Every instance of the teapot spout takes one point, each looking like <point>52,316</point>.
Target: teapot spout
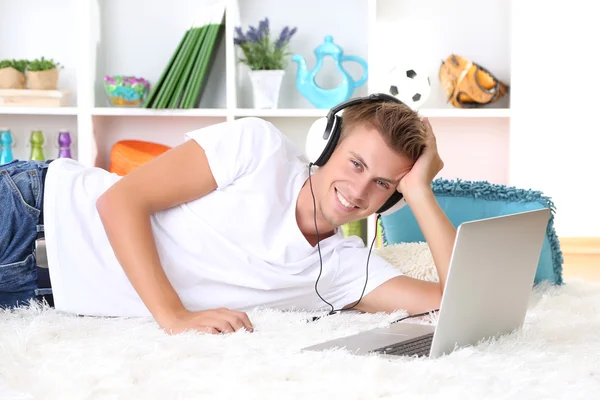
<point>300,60</point>
<point>302,72</point>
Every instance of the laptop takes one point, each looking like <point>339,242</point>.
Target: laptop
<point>490,279</point>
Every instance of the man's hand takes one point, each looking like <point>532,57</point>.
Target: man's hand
<point>221,320</point>
<point>426,168</point>
<point>415,295</point>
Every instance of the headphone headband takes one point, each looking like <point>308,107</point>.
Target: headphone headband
<point>381,97</point>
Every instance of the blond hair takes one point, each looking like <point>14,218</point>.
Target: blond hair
<point>400,126</point>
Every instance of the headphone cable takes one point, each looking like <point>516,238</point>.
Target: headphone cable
<point>333,311</point>
<point>367,272</point>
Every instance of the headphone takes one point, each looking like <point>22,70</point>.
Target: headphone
<point>324,135</point>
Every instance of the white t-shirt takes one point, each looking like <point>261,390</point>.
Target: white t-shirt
<point>238,247</point>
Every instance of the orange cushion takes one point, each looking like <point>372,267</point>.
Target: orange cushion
<point>127,155</point>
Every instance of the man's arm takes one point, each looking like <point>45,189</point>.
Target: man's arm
<point>437,229</point>
<point>404,292</point>
<point>410,294</point>
<point>180,175</point>
<point>125,210</point>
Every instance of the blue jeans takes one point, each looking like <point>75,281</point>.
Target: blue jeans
<point>21,206</point>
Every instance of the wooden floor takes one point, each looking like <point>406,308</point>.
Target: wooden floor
<point>581,258</point>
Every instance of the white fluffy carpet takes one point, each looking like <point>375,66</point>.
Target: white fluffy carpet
<point>46,355</point>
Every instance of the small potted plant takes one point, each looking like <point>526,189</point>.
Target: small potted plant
<point>266,59</point>
<point>12,74</point>
<point>42,74</point>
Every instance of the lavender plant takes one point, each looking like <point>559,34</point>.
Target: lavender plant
<point>260,51</point>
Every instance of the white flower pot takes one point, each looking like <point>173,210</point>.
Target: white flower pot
<point>265,87</point>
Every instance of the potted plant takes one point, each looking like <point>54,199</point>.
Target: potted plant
<point>42,74</point>
<point>266,59</point>
<point>12,74</point>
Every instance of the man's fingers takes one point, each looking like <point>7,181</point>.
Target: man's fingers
<point>222,326</point>
<point>208,329</point>
<point>238,320</point>
<point>246,321</point>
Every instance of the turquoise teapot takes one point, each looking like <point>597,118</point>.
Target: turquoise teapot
<point>327,98</point>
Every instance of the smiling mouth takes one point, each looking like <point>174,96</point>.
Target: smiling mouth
<point>348,205</point>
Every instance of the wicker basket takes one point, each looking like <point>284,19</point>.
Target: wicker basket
<point>128,155</point>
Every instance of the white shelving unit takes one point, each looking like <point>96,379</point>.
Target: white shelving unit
<point>93,38</point>
<point>146,112</point>
<point>38,110</point>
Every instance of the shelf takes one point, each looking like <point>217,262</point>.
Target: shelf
<point>18,110</point>
<point>465,112</point>
<point>430,112</point>
<point>281,112</point>
<point>242,112</point>
<point>350,33</point>
<point>106,40</point>
<point>151,112</point>
<point>121,36</point>
<point>209,112</point>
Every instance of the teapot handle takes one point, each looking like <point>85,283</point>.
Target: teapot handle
<point>362,62</point>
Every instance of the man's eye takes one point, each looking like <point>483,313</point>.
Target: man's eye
<point>382,184</point>
<point>356,164</point>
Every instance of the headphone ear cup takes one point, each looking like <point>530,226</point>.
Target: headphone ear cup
<point>321,140</point>
<point>315,143</point>
<point>393,204</point>
<point>333,134</point>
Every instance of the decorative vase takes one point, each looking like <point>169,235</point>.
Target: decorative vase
<point>265,87</point>
<point>327,98</point>
<point>43,80</point>
<point>64,144</point>
<point>126,91</point>
<point>11,78</point>
<point>6,145</point>
<point>37,146</point>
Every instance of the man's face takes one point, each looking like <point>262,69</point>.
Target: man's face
<point>360,176</point>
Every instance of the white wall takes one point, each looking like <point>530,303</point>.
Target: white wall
<point>46,29</point>
<point>555,135</point>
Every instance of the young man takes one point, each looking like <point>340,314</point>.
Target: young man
<point>228,221</point>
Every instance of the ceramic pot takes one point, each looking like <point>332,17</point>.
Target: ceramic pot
<point>266,85</point>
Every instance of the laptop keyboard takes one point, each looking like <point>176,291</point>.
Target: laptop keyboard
<point>419,346</point>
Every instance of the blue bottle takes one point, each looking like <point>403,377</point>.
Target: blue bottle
<point>6,141</point>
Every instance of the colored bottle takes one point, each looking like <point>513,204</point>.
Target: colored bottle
<point>37,146</point>
<point>6,140</point>
<point>64,143</point>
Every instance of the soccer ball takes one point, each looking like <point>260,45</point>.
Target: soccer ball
<point>411,86</point>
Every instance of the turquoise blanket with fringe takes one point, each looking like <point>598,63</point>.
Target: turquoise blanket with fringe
<point>470,200</point>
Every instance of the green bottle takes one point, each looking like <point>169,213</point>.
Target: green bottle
<point>356,228</point>
<point>37,146</point>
